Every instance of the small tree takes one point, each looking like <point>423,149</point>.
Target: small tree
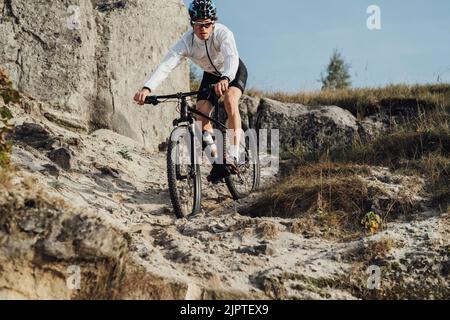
<point>338,76</point>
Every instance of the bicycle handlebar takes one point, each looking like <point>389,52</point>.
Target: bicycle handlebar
<point>155,100</point>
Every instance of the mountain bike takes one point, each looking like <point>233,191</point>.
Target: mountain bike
<point>185,152</point>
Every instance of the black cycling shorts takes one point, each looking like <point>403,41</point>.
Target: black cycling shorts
<point>240,81</point>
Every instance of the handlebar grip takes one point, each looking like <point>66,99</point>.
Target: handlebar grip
<point>151,100</point>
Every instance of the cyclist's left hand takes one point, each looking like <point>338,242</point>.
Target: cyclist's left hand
<point>222,87</point>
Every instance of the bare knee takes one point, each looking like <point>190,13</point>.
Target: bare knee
<point>231,101</point>
<point>204,107</point>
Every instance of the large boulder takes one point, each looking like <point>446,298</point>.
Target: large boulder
<point>86,59</point>
<point>311,128</point>
<point>248,107</point>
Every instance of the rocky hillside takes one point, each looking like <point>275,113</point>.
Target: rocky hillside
<point>85,60</point>
<point>99,202</point>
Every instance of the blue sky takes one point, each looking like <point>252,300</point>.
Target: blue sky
<point>286,44</point>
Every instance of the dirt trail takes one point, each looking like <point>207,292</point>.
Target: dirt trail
<point>219,249</point>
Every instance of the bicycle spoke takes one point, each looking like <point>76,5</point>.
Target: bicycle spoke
<point>183,179</point>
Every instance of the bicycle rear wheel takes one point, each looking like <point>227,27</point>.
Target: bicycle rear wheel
<point>183,174</point>
<point>247,180</point>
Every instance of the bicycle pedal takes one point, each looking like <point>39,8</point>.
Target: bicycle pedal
<point>231,169</point>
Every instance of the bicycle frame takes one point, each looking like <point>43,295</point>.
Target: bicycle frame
<point>185,109</point>
<point>186,115</point>
<point>187,112</point>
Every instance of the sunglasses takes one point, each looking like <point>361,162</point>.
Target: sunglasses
<point>201,24</point>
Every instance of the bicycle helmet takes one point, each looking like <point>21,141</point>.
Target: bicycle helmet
<point>202,9</point>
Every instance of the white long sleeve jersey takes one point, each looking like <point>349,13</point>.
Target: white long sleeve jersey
<point>221,47</point>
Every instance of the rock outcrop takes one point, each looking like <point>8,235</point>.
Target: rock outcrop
<point>86,58</point>
<point>313,128</point>
<point>51,250</point>
<point>248,108</point>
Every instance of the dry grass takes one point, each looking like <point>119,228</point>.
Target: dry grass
<point>373,251</point>
<point>436,168</point>
<point>425,154</point>
<point>268,230</point>
<point>7,92</point>
<point>8,95</point>
<point>331,200</point>
<point>325,199</point>
<point>420,146</point>
<point>309,190</point>
<point>5,179</point>
<point>396,149</point>
<point>381,248</point>
<point>368,101</point>
<point>325,193</point>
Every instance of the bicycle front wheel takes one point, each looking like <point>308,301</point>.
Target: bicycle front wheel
<point>183,174</point>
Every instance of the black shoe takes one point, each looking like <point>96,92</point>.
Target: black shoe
<point>218,173</point>
<point>221,171</point>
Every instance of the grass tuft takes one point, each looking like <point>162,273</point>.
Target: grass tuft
<point>326,191</point>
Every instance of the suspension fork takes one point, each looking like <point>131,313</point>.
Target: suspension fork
<point>187,122</point>
<point>193,146</point>
<point>185,116</point>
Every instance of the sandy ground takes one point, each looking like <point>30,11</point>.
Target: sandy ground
<point>219,248</point>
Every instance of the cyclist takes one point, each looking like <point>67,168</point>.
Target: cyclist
<point>212,47</point>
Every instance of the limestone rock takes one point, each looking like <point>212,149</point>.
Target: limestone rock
<point>311,127</point>
<point>86,59</point>
<point>62,157</point>
<point>48,247</point>
<point>33,134</point>
<point>248,107</point>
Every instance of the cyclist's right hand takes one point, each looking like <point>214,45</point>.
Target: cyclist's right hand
<point>140,96</point>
